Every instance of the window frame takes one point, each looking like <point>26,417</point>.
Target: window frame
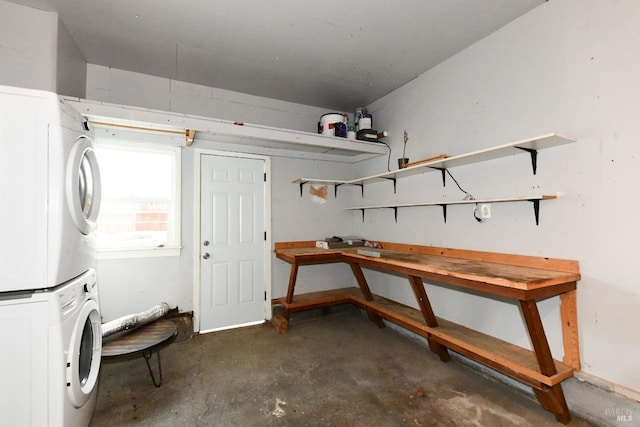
<point>147,252</point>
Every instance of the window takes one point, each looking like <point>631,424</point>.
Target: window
<point>140,209</point>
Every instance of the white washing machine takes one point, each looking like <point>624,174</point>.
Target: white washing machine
<point>50,332</point>
<point>49,191</point>
<point>51,350</point>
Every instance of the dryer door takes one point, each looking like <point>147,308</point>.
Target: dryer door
<point>85,351</point>
<point>83,185</point>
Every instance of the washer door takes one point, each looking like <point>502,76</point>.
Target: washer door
<point>83,185</point>
<point>85,351</point>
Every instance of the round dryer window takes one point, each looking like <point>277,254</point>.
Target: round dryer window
<point>83,185</point>
<point>84,355</point>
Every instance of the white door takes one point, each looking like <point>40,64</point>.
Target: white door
<point>232,242</point>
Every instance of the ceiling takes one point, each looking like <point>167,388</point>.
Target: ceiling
<point>331,54</point>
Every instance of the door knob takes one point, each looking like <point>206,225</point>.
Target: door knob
<point>205,243</point>
<point>206,255</point>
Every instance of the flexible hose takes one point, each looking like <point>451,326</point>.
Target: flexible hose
<point>134,320</point>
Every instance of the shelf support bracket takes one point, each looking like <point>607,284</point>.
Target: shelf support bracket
<point>302,183</point>
<point>444,213</point>
<point>189,135</point>
<point>443,171</point>
<point>335,190</point>
<point>536,210</point>
<point>534,157</point>
<point>394,183</point>
<point>362,210</point>
<point>395,213</point>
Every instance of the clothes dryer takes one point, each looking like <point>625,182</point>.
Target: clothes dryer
<point>49,191</point>
<point>52,345</point>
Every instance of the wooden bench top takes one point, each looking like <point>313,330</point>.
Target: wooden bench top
<point>517,276</point>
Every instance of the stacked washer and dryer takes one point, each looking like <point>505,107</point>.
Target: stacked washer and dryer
<point>50,325</point>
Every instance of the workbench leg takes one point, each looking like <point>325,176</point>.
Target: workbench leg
<point>293,276</point>
<point>552,398</point>
<point>429,316</point>
<point>569,321</point>
<point>366,293</point>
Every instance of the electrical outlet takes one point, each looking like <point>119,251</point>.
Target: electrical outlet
<point>484,211</point>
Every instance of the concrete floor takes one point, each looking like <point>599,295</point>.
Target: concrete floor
<point>331,369</point>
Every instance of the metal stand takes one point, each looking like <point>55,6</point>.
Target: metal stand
<point>142,341</point>
<point>147,356</point>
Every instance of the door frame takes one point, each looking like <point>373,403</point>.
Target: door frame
<point>197,158</point>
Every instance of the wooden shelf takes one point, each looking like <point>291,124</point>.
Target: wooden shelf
<point>512,360</point>
<point>229,135</point>
<point>312,300</point>
<point>533,199</point>
<point>531,146</point>
<point>303,181</point>
<point>518,147</point>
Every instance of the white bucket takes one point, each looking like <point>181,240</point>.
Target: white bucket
<point>327,121</point>
<point>365,121</point>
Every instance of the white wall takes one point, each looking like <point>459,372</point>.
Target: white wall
<point>570,67</point>
<point>300,218</point>
<point>27,47</point>
<point>71,67</point>
<point>129,286</point>
<point>37,52</point>
<point>128,88</point>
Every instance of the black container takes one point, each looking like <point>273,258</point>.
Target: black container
<point>340,129</point>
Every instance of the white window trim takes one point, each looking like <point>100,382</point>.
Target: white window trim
<point>164,251</point>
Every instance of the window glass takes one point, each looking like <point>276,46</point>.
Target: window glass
<point>86,352</point>
<point>86,186</point>
<point>140,197</point>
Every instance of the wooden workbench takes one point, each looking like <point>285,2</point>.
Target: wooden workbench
<point>524,279</point>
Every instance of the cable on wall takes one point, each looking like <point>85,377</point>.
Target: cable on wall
<point>388,155</point>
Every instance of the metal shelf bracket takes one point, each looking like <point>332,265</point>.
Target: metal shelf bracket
<point>444,212</point>
<point>394,182</point>
<point>443,171</point>
<point>536,210</point>
<point>534,157</point>
<point>302,183</point>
